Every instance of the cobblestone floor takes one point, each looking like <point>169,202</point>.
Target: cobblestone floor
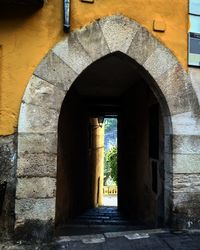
<point>129,240</point>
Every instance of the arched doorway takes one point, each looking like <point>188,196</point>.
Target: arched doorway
<point>113,85</point>
<point>166,82</point>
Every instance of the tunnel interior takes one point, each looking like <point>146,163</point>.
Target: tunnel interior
<point>113,85</point>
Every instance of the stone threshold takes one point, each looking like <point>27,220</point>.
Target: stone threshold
<point>138,234</point>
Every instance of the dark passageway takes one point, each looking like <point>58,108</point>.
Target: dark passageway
<point>114,85</point>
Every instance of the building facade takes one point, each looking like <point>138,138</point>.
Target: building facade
<point>129,59</point>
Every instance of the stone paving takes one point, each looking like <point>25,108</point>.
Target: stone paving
<point>110,200</point>
<point>100,220</point>
<point>129,240</point>
<point>99,229</point>
<point>102,215</point>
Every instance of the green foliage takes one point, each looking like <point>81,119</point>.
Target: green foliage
<point>106,171</point>
<point>110,124</point>
<point>111,163</point>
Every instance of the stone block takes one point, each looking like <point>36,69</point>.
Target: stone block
<point>186,163</point>
<point>176,86</point>
<point>43,94</point>
<point>93,41</point>
<point>37,165</point>
<point>72,53</point>
<point>34,209</point>
<point>34,119</point>
<point>195,78</point>
<point>36,187</point>
<point>55,71</point>
<point>186,183</point>
<point>142,46</point>
<point>186,144</point>
<point>187,203</point>
<point>37,143</point>
<point>160,62</point>
<point>185,124</point>
<point>118,32</point>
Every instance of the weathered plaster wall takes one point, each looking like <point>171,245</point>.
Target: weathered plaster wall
<point>26,36</point>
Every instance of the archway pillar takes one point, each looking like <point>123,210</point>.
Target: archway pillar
<point>184,173</point>
<point>37,158</point>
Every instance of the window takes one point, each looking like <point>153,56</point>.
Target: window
<point>194,33</point>
<point>194,7</point>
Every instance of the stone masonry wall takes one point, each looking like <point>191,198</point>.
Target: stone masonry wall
<point>8,162</point>
<point>186,166</point>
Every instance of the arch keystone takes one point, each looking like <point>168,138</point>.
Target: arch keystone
<point>118,32</point>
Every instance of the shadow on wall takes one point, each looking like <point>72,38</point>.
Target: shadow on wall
<point>11,10</point>
<point>187,211</point>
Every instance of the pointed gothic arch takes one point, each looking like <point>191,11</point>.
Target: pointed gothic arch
<point>42,101</point>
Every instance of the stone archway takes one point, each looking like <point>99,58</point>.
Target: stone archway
<point>38,121</point>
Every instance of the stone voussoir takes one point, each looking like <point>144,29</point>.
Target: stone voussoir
<point>93,41</point>
<point>160,61</point>
<point>72,53</point>
<point>118,32</point>
<point>41,93</point>
<point>36,187</point>
<point>177,89</point>
<point>142,45</point>
<point>55,71</point>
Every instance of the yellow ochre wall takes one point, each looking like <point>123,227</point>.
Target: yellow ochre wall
<point>26,36</point>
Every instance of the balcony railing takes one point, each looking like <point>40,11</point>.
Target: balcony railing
<point>110,190</point>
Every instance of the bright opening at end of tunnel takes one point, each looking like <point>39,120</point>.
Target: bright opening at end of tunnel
<point>110,162</point>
